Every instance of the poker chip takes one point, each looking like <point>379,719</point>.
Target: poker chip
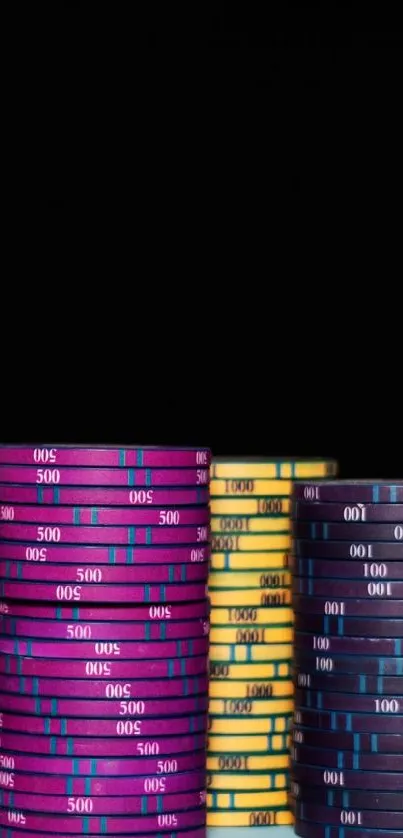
<point>104,640</point>
<point>347,731</point>
<point>252,684</point>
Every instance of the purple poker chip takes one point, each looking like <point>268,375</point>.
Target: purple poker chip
<point>131,575</point>
<point>127,728</point>
<point>351,760</point>
<point>324,777</point>
<point>117,746</point>
<point>307,829</point>
<point>128,689</point>
<point>105,649</point>
<point>368,819</point>
<point>348,491</point>
<point>347,798</point>
<point>128,708</point>
<point>103,594</point>
<point>85,516</point>
<point>87,554</point>
<point>198,832</point>
<point>63,630</point>
<point>105,669</point>
<point>151,536</point>
<point>131,456</point>
<point>90,769</point>
<point>346,569</point>
<point>341,740</point>
<point>96,825</point>
<point>351,722</point>
<point>130,477</point>
<point>349,550</point>
<point>349,607</point>
<point>103,496</point>
<point>384,713</point>
<point>133,613</point>
<point>347,626</point>
<point>360,513</point>
<point>360,589</point>
<point>103,787</point>
<point>323,662</point>
<point>348,645</point>
<point>348,532</point>
<point>124,805</point>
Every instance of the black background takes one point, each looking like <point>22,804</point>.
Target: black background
<point>250,156</point>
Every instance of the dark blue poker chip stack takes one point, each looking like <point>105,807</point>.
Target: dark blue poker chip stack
<point>347,748</point>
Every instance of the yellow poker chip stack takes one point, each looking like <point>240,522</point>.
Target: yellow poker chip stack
<point>251,638</point>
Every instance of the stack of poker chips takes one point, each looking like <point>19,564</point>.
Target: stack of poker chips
<point>104,557</point>
<point>251,689</point>
<point>347,753</point>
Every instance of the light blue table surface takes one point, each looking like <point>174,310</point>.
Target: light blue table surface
<point>253,832</point>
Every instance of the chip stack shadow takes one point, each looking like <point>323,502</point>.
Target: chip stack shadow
<point>251,636</point>
<point>347,751</point>
<point>104,559</point>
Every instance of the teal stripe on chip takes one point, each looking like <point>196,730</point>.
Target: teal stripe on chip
<point>53,743</point>
<point>147,631</point>
<point>53,706</point>
<point>325,530</point>
<point>35,686</point>
<point>148,536</point>
<point>131,477</point>
<point>69,784</point>
<point>333,719</point>
<point>147,593</point>
<point>356,741</point>
<point>38,705</point>
<point>104,825</point>
<point>86,826</point>
<point>356,761</point>
<point>340,625</point>
<point>163,630</point>
<point>393,494</point>
<point>129,555</point>
<point>70,747</point>
<point>148,477</point>
<point>76,515</point>
<point>94,515</point>
<point>340,759</point>
<point>76,766</point>
<point>46,726</point>
<point>374,742</point>
<point>40,494</point>
<point>87,786</point>
<point>59,613</point>
<point>144,804</point>
<point>93,767</point>
<point>349,722</point>
<point>170,668</point>
<point>63,727</point>
<point>379,684</point>
<point>140,457</point>
<point>362,680</point>
<point>310,567</point>
<point>122,457</point>
<point>375,494</point>
<point>163,593</point>
<point>132,535</point>
<point>171,573</point>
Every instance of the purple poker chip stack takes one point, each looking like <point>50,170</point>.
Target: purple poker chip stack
<point>104,613</point>
<point>347,750</point>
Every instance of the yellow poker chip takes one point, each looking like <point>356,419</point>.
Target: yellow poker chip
<point>233,736</point>
<point>236,694</point>
<point>249,615</point>
<point>268,506</point>
<point>266,817</point>
<point>235,488</point>
<point>251,653</point>
<point>236,524</point>
<point>275,597</point>
<point>274,469</point>
<point>274,781</point>
<point>246,762</point>
<point>250,707</point>
<point>234,543</point>
<point>266,560</point>
<point>269,685</point>
<point>247,635</point>
<point>246,800</point>
<point>226,725</point>
<point>275,578</point>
